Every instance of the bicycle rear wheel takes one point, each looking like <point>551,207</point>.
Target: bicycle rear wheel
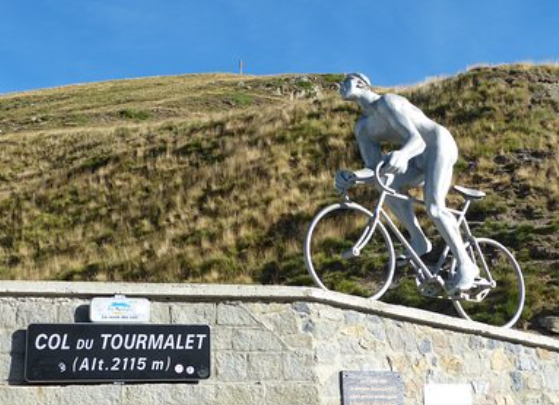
<point>335,231</point>
<point>504,303</point>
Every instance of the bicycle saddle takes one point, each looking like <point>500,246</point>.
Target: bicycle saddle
<point>470,193</point>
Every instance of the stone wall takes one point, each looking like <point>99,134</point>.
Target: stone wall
<point>287,346</point>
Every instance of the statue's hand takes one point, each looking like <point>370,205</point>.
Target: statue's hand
<point>397,163</point>
<point>344,180</point>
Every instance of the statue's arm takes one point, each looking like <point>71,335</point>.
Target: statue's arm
<point>370,152</point>
<point>396,114</point>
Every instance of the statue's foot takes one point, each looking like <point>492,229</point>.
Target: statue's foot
<point>463,280</point>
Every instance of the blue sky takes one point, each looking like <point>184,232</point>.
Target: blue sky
<point>45,43</point>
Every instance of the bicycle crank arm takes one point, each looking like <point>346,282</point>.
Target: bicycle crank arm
<point>432,288</point>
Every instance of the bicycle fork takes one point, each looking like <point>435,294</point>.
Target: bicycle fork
<point>367,234</point>
<point>365,237</point>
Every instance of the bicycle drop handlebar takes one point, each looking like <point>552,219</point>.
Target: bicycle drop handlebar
<point>379,181</point>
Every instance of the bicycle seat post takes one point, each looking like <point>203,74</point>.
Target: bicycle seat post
<point>466,206</point>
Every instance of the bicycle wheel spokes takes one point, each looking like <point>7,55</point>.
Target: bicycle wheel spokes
<point>504,302</point>
<point>335,231</point>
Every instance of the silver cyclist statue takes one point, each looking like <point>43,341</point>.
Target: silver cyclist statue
<point>426,156</point>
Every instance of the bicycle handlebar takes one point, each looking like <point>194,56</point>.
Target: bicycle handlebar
<point>382,185</point>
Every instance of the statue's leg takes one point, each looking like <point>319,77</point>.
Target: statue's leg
<point>404,210</point>
<point>438,178</point>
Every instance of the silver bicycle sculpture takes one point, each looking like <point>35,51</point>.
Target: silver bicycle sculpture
<point>348,248</point>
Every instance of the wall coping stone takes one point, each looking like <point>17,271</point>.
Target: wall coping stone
<point>268,293</point>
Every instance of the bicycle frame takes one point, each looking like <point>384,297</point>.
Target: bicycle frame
<point>380,214</point>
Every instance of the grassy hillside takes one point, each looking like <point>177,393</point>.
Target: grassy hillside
<point>214,178</point>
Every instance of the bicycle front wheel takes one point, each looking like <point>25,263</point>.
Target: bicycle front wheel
<point>331,235</point>
<point>504,303</point>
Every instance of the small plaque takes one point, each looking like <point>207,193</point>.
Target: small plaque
<point>119,309</point>
<point>448,394</point>
<point>95,353</point>
<point>372,388</point>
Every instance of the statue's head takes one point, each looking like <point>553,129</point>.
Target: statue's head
<point>354,85</point>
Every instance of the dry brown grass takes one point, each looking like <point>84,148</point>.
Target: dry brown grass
<point>214,178</point>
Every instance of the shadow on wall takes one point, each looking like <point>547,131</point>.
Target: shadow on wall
<point>16,375</point>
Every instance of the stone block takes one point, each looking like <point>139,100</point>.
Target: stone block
<point>299,341</point>
<point>452,364</point>
<point>440,341</point>
<point>292,394</point>
<point>504,399</point>
<point>231,366</point>
<point>82,395</point>
<point>354,318</point>
<point>234,315</point>
<point>299,367</point>
<point>399,338</point>
<point>71,311</point>
<point>525,362</point>
<point>375,327</point>
<point>425,346</point>
<point>203,393</point>
<point>534,399</point>
<point>160,312</point>
<point>9,311</point>
<point>551,377</point>
<point>13,395</point>
<point>350,346</point>
<point>363,362</point>
<point>480,387</point>
<point>514,349</point>
<point>12,341</point>
<point>222,338</point>
<point>258,308</point>
<point>284,323</point>
<point>12,368</point>
<point>147,394</point>
<point>239,394</point>
<point>474,364</point>
<point>326,354</point>
<point>29,312</point>
<point>500,361</point>
<point>330,313</point>
<point>476,343</point>
<point>265,367</point>
<point>534,381</point>
<point>5,365</point>
<point>550,398</point>
<point>517,381</point>
<point>323,329</point>
<point>544,354</point>
<point>256,340</point>
<point>193,313</point>
<point>459,343</point>
<point>301,308</point>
